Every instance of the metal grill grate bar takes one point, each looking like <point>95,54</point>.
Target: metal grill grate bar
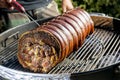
<point>118,58</point>
<point>90,65</point>
<point>89,54</point>
<point>109,41</point>
<point>114,60</point>
<point>108,53</point>
<point>8,53</point>
<point>113,48</point>
<point>88,61</point>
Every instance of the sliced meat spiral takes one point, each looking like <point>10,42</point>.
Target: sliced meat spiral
<point>44,47</point>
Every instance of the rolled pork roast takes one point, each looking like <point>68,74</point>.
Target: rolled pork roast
<point>42,48</point>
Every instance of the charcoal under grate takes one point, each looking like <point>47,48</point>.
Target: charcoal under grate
<point>101,49</point>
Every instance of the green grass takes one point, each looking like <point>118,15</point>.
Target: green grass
<point>109,7</point>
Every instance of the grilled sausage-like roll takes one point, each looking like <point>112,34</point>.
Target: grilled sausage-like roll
<point>44,47</point>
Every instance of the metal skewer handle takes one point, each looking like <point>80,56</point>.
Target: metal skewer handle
<point>21,9</point>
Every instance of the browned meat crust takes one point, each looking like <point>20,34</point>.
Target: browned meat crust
<point>44,47</point>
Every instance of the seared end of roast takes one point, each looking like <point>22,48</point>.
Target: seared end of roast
<point>38,51</point>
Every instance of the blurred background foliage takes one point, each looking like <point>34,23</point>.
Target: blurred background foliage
<point>108,7</point>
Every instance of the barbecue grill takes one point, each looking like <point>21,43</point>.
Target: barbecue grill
<point>98,58</point>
